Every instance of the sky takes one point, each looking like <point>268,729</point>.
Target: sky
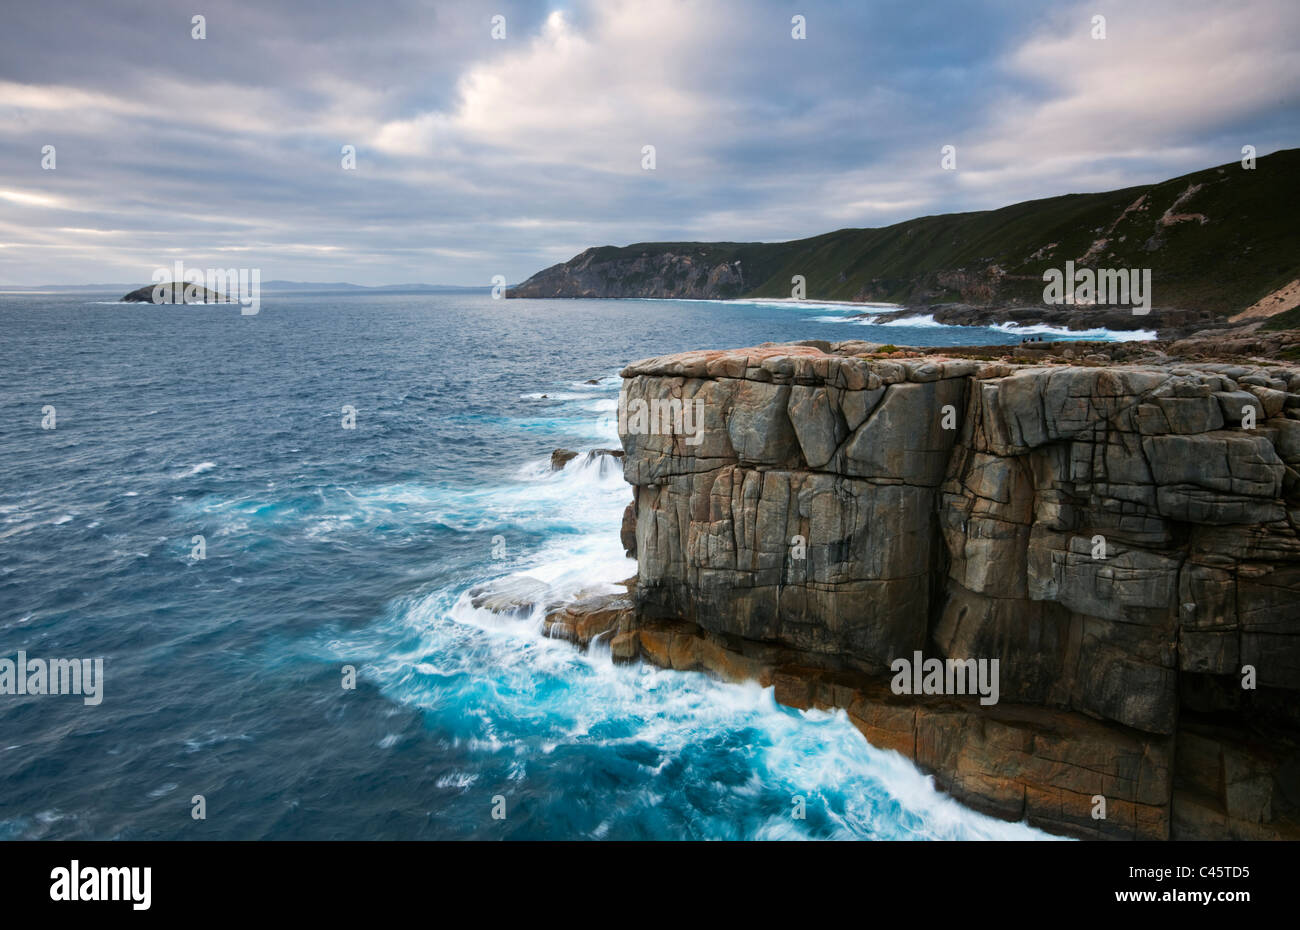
<point>478,156</point>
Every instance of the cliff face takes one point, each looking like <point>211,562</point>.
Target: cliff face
<point>1121,539</point>
<point>686,271</point>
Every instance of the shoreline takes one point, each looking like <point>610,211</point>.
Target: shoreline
<point>1096,705</point>
<point>1169,325</point>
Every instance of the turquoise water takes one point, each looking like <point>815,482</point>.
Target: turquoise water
<point>328,547</point>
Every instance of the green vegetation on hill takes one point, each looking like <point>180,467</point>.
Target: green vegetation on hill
<point>1289,319</point>
<point>1217,240</point>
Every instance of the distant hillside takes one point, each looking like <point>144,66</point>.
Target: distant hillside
<point>1218,240</point>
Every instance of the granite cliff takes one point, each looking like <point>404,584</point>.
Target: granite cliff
<point>1120,537</point>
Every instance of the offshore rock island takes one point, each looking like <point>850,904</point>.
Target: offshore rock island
<point>1115,526</point>
<point>174,292</point>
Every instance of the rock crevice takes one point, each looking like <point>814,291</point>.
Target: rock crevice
<point>1121,539</point>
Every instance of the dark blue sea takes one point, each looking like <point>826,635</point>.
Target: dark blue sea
<point>328,547</point>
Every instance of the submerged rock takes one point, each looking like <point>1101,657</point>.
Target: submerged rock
<point>562,457</point>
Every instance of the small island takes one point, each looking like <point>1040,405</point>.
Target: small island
<point>173,292</point>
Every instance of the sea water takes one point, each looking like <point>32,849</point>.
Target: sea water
<point>326,547</point>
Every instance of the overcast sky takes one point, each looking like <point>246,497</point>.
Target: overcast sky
<point>478,156</point>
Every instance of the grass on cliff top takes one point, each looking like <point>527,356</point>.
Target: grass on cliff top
<point>1288,319</point>
<point>1238,243</point>
<point>1247,246</point>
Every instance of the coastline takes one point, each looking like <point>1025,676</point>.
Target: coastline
<point>1118,670</point>
<point>1166,325</point>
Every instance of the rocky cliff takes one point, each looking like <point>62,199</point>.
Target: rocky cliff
<point>690,271</point>
<point>1120,538</point>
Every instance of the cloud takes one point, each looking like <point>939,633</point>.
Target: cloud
<point>28,199</point>
<point>1174,82</point>
<point>586,97</point>
<point>478,156</point>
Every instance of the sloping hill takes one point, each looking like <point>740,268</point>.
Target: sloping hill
<point>1217,240</point>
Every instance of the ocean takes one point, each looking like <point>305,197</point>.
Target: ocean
<point>325,547</point>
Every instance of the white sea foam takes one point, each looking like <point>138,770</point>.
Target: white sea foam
<point>921,320</point>
<point>456,780</point>
<point>927,321</point>
<point>775,302</point>
<point>1061,333</point>
<point>863,791</point>
<point>555,395</point>
<point>198,469</point>
<point>845,305</point>
<point>513,698</point>
<point>861,321</point>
